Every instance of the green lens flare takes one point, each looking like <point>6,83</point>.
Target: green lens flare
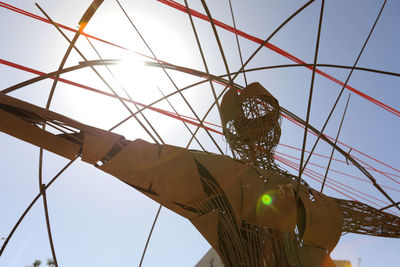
<point>266,199</point>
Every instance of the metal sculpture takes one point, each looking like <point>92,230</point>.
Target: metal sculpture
<point>249,215</point>
<point>251,123</point>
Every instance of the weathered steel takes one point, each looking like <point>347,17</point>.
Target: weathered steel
<point>251,124</point>
<point>225,199</point>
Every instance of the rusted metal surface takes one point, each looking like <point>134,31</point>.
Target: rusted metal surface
<point>360,218</point>
<point>251,123</point>
<point>222,197</point>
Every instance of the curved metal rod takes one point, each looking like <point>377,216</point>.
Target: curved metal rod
<point>54,73</point>
<point>197,72</point>
<point>221,50</point>
<point>168,76</point>
<point>3,247</point>
<point>209,77</point>
<point>390,206</point>
<point>82,24</point>
<point>149,236</point>
<point>170,66</point>
<point>157,101</point>
<point>310,95</point>
<point>293,116</point>
<point>273,34</point>
<point>203,58</point>
<point>341,151</point>
<point>322,65</point>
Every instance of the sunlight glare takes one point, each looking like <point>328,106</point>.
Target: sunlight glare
<point>137,79</point>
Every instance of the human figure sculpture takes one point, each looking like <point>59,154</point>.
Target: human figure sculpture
<point>251,216</point>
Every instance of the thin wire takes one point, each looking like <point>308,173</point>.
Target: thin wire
<point>49,99</point>
<point>155,102</point>
<point>345,154</point>
<point>226,27</point>
<point>221,50</point>
<point>42,188</point>
<point>3,247</point>
<point>344,85</point>
<point>390,206</point>
<point>173,108</point>
<point>310,95</point>
<point>339,172</point>
<point>237,41</point>
<point>333,149</point>
<point>129,97</point>
<point>166,73</point>
<point>148,238</point>
<point>272,35</point>
<point>203,59</point>
<point>255,52</point>
<point>99,75</point>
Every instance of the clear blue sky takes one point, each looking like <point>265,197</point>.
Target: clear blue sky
<point>99,221</point>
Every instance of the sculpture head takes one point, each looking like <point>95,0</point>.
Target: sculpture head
<point>251,124</point>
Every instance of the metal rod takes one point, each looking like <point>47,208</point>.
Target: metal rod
<point>130,98</point>
<point>21,218</point>
<point>173,108</point>
<point>310,96</point>
<point>99,75</point>
<point>151,232</point>
<point>345,84</point>
<point>237,41</point>
<point>221,50</point>
<point>167,74</point>
<point>333,148</point>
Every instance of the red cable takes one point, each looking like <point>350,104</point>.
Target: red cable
<point>197,14</point>
<point>173,115</point>
<point>184,118</point>
<point>279,51</point>
<point>291,165</point>
<point>338,160</point>
<point>358,151</point>
<point>312,173</point>
<point>26,13</point>
<point>167,113</point>
<point>370,167</point>
<point>376,170</point>
<point>316,175</point>
<point>339,172</point>
<point>226,27</point>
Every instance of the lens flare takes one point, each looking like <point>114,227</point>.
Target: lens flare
<point>266,199</point>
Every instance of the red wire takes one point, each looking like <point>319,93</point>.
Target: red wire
<point>199,15</point>
<point>279,51</point>
<point>26,13</point>
<point>228,28</point>
<point>338,160</point>
<point>309,173</point>
<point>293,166</point>
<point>315,177</point>
<point>167,113</point>
<point>342,173</point>
<point>184,118</point>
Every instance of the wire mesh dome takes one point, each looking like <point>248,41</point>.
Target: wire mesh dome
<point>251,124</point>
